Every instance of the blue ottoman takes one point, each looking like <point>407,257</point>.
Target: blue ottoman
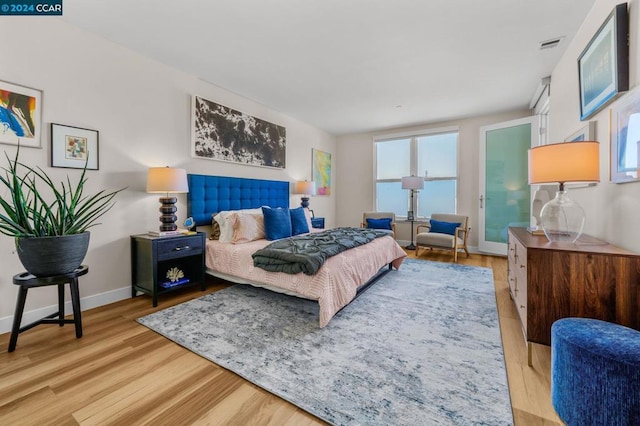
<point>595,372</point>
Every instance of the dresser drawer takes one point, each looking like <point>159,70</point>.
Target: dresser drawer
<point>172,248</point>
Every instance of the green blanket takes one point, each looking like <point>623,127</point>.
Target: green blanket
<point>306,253</point>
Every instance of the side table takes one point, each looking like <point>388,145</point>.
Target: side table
<point>26,281</point>
<point>152,257</point>
<point>317,222</point>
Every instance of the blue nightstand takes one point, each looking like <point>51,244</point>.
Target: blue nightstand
<point>317,222</point>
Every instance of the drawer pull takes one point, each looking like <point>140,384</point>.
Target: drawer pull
<point>522,306</point>
<point>181,248</point>
<point>523,266</point>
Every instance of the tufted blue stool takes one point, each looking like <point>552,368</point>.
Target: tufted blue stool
<point>595,372</point>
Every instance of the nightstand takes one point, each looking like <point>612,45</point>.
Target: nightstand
<point>317,222</point>
<point>153,257</point>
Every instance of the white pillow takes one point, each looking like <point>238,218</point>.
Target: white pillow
<point>247,227</point>
<point>226,225</point>
<point>307,214</point>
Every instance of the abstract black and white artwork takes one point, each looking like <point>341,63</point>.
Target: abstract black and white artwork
<point>222,133</point>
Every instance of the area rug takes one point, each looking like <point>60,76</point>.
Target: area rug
<point>421,346</point>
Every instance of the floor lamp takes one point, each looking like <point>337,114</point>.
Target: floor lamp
<point>413,184</point>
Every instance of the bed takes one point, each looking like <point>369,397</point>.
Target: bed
<point>337,282</point>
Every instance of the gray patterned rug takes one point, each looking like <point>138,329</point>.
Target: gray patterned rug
<point>420,347</point>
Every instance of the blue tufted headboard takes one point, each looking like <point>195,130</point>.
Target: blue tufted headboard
<point>211,194</point>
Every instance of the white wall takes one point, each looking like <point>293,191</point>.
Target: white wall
<point>611,209</point>
<point>356,193</point>
<point>142,110</point>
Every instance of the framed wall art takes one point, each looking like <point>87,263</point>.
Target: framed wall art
<point>321,171</point>
<point>20,115</point>
<point>625,137</point>
<point>73,147</point>
<point>221,133</point>
<point>603,66</point>
<point>585,133</point>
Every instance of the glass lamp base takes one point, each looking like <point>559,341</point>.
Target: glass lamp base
<point>562,218</point>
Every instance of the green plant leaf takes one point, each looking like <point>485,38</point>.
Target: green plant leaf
<point>62,209</point>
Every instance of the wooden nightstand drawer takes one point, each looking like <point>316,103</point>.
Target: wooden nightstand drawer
<point>172,248</point>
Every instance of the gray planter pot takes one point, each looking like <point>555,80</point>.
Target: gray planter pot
<point>48,256</point>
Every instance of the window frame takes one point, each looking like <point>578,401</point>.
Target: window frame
<point>413,164</point>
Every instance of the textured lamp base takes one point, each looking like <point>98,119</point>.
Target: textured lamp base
<point>168,217</point>
<point>305,202</point>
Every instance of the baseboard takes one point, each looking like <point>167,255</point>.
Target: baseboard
<point>471,249</point>
<point>86,303</point>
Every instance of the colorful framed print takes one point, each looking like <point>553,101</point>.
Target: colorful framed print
<point>20,115</point>
<point>73,147</point>
<point>625,138</point>
<point>603,66</point>
<point>221,133</point>
<point>321,171</point>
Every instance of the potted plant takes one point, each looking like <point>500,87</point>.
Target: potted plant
<point>49,221</point>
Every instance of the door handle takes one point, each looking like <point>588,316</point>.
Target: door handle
<point>481,200</point>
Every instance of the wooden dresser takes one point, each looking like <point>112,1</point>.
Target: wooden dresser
<point>588,279</point>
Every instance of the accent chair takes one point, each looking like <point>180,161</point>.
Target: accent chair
<point>445,232</point>
<point>380,221</point>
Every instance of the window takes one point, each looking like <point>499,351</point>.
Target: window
<point>433,155</point>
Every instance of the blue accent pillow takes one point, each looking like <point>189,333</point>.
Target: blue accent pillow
<point>382,223</point>
<point>444,227</point>
<point>277,223</point>
<point>299,223</point>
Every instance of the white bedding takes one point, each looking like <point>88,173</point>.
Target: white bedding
<point>335,284</point>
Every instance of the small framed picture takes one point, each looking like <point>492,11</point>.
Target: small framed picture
<point>586,133</point>
<point>73,147</point>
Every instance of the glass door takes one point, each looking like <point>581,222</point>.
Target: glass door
<point>505,196</point>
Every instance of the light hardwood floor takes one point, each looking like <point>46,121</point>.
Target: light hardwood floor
<point>122,373</point>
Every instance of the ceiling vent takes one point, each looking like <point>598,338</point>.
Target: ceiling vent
<point>548,44</point>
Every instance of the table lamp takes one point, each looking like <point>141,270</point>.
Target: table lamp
<point>167,180</point>
<point>305,188</point>
<point>563,219</point>
<point>412,183</point>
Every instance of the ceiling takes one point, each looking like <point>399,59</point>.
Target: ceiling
<point>349,66</point>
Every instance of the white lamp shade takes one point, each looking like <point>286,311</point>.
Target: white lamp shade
<point>412,182</point>
<point>166,180</point>
<point>565,162</point>
<point>305,187</point>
